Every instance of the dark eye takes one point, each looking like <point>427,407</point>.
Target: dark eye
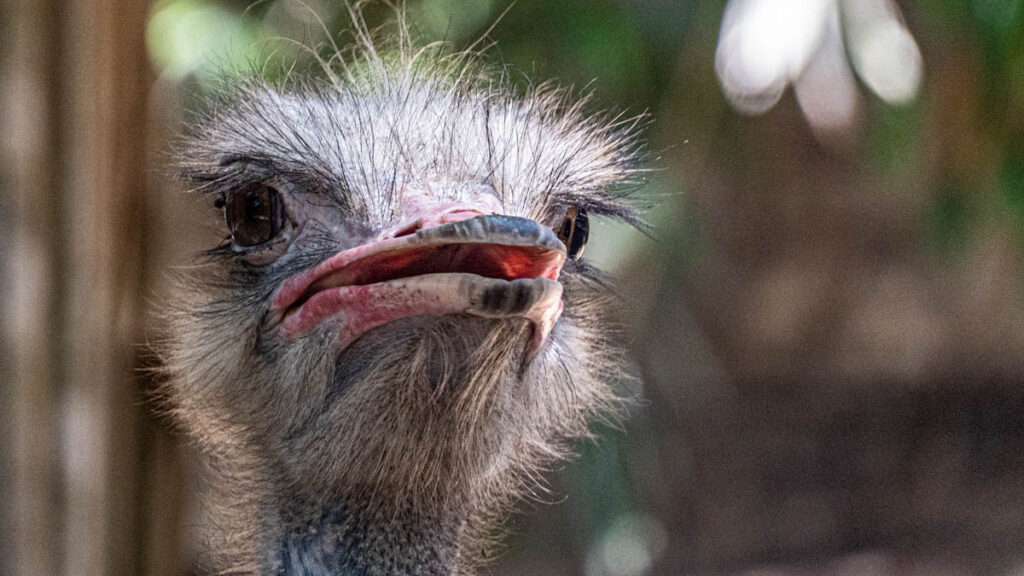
<point>255,214</point>
<point>574,231</point>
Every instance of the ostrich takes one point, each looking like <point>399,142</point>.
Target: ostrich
<point>398,333</point>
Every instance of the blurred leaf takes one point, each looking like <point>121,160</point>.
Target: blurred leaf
<point>185,37</point>
<point>949,219</point>
<point>999,15</point>
<point>601,480</point>
<point>948,13</point>
<point>1011,180</point>
<point>894,136</point>
<point>451,20</point>
<point>577,42</point>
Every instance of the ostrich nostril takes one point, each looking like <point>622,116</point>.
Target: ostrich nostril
<point>407,230</point>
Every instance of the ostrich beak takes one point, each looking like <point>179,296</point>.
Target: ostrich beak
<point>491,266</point>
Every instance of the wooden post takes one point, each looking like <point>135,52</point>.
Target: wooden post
<point>75,168</point>
<point>104,234</point>
<point>30,288</point>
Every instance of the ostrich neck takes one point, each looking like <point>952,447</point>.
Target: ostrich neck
<point>348,539</point>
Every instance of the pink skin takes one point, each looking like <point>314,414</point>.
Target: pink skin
<point>419,211</point>
<point>359,308</point>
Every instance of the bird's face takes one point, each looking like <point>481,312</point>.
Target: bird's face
<point>400,305</point>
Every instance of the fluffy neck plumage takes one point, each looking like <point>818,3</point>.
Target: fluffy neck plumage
<point>352,539</point>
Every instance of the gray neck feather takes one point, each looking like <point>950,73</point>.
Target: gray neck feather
<point>348,540</point>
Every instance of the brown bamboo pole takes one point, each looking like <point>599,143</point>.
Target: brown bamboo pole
<point>105,231</point>
<point>74,158</point>
<point>31,291</point>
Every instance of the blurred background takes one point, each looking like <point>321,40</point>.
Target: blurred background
<point>828,314</point>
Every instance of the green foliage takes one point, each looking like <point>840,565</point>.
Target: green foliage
<point>187,37</point>
<point>1011,180</point>
<point>451,20</point>
<point>894,137</point>
<point>949,218</point>
<point>1011,185</point>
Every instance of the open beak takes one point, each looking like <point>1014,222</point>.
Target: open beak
<point>490,266</point>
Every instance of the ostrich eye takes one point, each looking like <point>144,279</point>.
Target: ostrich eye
<point>574,231</point>
<point>255,214</point>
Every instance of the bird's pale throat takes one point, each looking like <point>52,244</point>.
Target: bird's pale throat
<point>491,266</point>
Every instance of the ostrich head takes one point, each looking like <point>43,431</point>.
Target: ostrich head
<point>399,330</point>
